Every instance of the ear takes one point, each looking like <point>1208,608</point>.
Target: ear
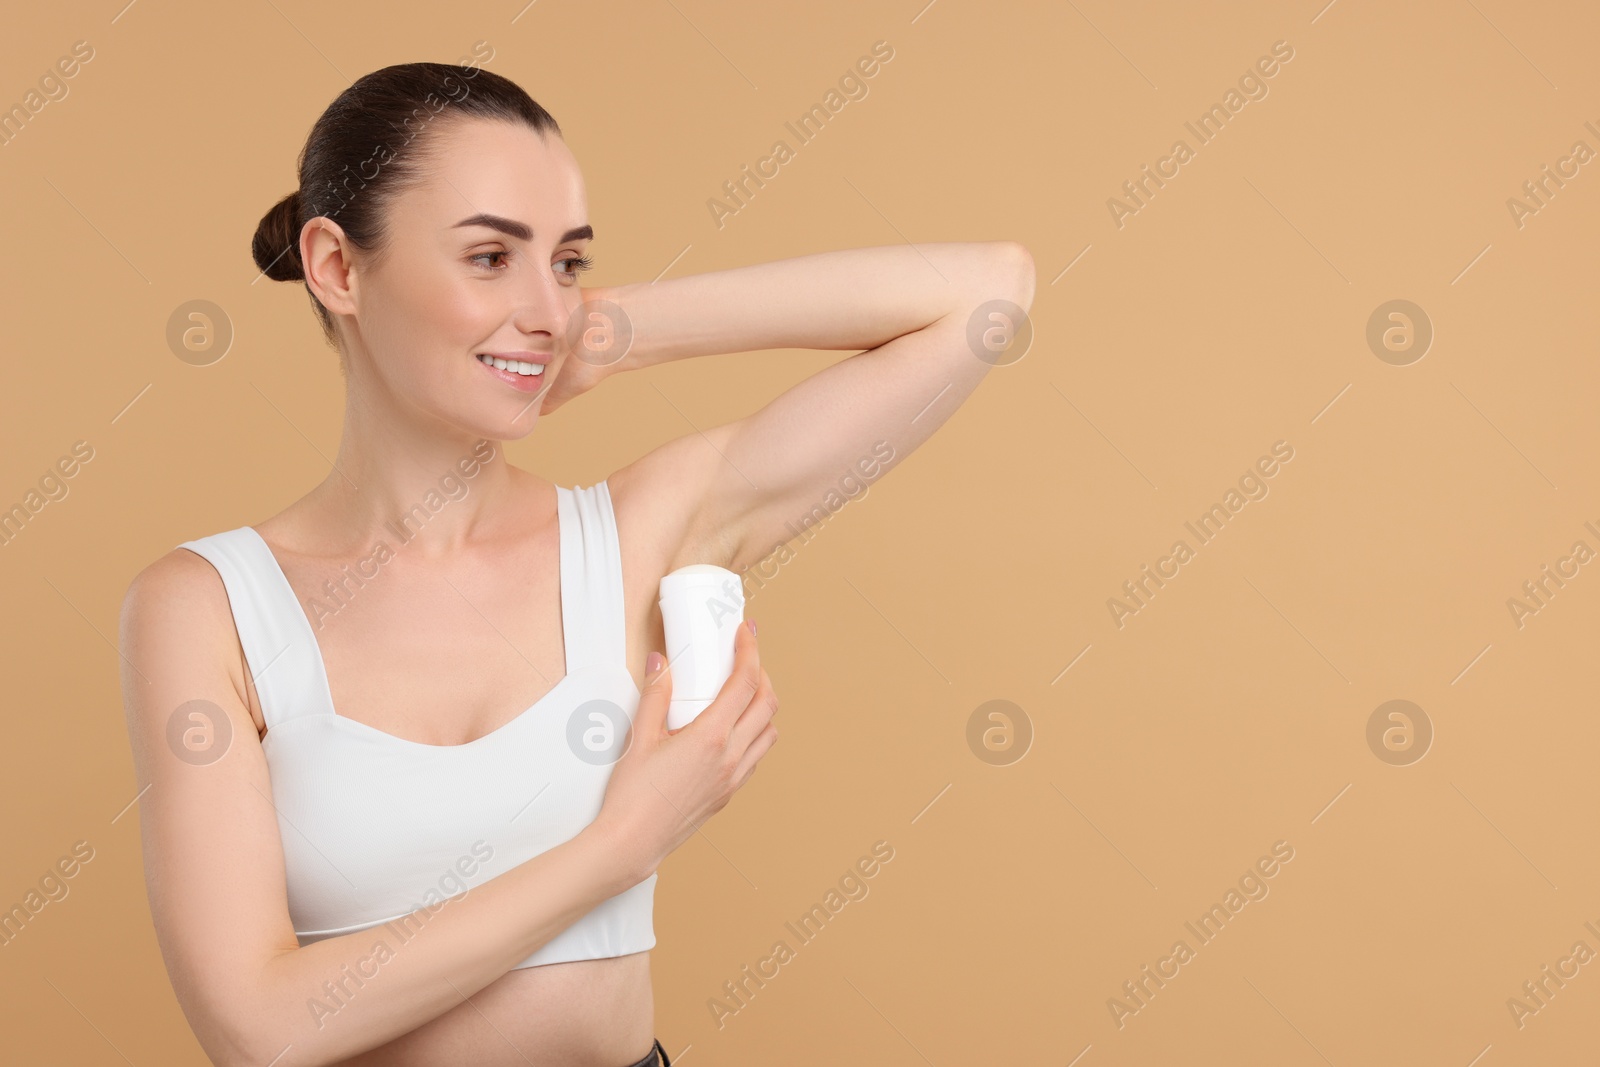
<point>326,254</point>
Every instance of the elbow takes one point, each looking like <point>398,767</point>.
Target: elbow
<point>255,1047</point>
<point>1020,272</point>
<point>985,271</point>
<point>243,1033</point>
<point>229,1044</point>
<point>240,1036</point>
<point>1003,271</point>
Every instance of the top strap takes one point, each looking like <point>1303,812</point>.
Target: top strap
<point>280,648</point>
<point>593,614</point>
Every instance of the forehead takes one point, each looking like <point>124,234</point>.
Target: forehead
<point>501,168</point>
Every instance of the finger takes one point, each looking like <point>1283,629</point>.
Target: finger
<point>752,755</point>
<point>763,706</point>
<point>736,693</point>
<point>654,697</point>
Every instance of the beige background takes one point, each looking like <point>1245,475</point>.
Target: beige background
<point>1227,314</point>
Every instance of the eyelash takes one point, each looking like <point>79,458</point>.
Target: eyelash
<point>580,263</point>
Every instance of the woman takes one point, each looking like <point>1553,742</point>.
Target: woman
<point>438,872</point>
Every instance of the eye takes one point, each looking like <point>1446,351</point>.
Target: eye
<point>579,264</point>
<point>489,255</point>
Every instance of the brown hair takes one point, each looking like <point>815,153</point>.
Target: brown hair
<point>360,155</point>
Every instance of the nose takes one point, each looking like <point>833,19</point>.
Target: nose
<point>542,308</point>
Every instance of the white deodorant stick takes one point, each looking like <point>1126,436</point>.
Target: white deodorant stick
<point>702,606</point>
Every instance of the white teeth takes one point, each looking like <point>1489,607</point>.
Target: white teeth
<point>518,366</point>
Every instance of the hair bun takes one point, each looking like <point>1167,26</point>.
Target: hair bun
<point>276,247</point>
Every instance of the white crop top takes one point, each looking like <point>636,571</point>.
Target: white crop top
<point>374,826</point>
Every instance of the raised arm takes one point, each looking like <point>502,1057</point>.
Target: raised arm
<point>214,861</point>
<point>913,309</point>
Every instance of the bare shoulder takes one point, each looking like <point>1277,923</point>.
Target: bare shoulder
<point>660,500</point>
<point>181,585</point>
<point>177,607</point>
<point>181,588</point>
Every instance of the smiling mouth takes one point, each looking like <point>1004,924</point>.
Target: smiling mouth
<point>513,366</point>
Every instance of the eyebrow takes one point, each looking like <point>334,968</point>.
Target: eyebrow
<point>522,231</point>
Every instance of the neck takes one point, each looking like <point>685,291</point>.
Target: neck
<point>427,485</point>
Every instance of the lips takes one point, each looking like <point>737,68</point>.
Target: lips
<point>524,372</point>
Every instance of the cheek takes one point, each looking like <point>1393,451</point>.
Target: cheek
<point>424,325</point>
<point>459,318</point>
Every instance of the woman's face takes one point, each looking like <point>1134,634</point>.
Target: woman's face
<point>452,285</point>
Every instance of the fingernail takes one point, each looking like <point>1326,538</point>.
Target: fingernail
<point>752,624</point>
<point>653,662</point>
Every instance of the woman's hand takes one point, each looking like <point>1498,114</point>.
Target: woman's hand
<point>666,784</point>
<point>577,375</point>
<point>592,346</point>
